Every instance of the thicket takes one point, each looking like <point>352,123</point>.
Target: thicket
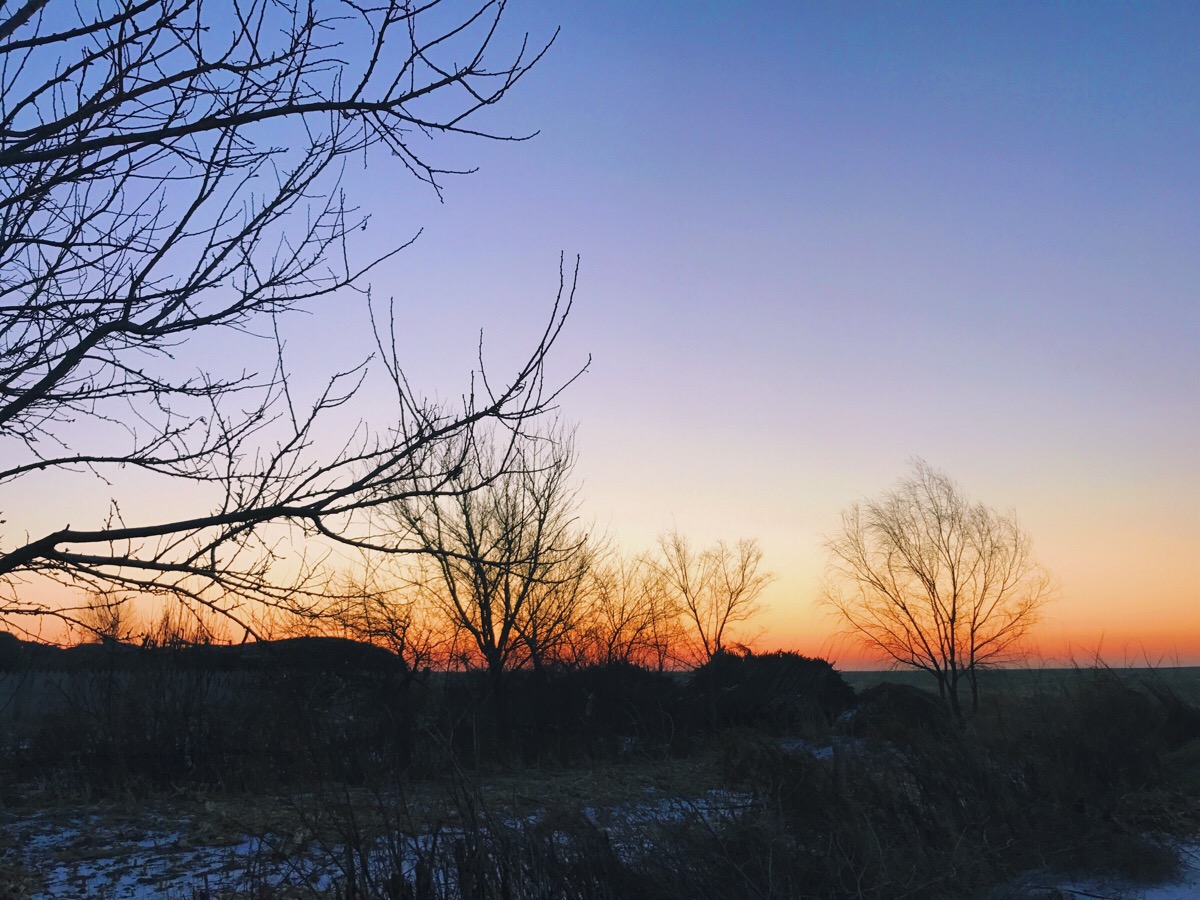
<point>1096,774</point>
<point>116,716</point>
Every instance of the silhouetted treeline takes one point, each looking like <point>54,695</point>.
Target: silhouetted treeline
<point>288,711</point>
<point>307,654</point>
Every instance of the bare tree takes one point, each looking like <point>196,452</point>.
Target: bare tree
<point>502,555</point>
<point>170,173</point>
<point>108,619</point>
<point>714,589</point>
<point>372,605</point>
<point>933,581</point>
<point>179,625</point>
<point>630,617</point>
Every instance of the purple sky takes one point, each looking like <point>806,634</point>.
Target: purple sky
<point>820,239</point>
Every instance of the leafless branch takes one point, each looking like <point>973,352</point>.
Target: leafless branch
<point>171,170</point>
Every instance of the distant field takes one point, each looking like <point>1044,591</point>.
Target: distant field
<point>1184,680</point>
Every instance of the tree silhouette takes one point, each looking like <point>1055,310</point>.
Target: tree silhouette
<point>713,589</point>
<point>170,172</point>
<point>934,581</point>
<point>503,557</point>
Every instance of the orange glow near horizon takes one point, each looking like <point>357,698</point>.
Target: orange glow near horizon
<point>1050,644</point>
<point>1090,617</point>
<point>1162,629</point>
<point>1044,649</point>
<point>1067,635</point>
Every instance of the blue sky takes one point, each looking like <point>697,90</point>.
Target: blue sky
<point>820,239</point>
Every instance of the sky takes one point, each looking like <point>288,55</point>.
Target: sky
<point>817,240</point>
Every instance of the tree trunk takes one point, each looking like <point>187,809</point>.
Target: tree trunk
<point>499,683</point>
<point>953,691</point>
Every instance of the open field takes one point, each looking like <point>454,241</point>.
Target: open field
<point>765,776</point>
<point>188,847</point>
<point>1183,679</point>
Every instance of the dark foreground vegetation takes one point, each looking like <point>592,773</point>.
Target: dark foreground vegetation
<point>792,785</point>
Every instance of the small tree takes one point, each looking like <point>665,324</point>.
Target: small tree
<point>371,605</point>
<point>714,589</point>
<point>630,616</point>
<point>933,581</point>
<point>501,556</point>
<point>108,619</point>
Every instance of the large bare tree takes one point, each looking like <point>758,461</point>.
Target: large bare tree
<point>503,556</point>
<point>170,173</point>
<point>931,580</point>
<point>714,588</point>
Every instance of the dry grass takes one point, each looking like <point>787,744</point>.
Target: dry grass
<point>1082,773</point>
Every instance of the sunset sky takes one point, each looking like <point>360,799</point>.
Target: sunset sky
<point>818,240</point>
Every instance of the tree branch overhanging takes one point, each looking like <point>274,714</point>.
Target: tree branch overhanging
<point>170,170</point>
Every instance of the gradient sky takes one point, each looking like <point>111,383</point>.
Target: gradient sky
<point>820,239</point>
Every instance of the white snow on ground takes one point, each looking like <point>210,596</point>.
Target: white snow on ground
<point>80,855</point>
<point>1186,887</point>
<point>85,856</point>
<point>714,806</point>
<point>77,854</point>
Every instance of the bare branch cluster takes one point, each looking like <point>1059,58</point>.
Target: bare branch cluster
<point>714,588</point>
<point>934,581</point>
<point>630,617</point>
<point>501,553</point>
<point>170,172</point>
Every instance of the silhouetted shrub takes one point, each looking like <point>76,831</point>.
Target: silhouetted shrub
<point>555,716</point>
<point>174,714</point>
<point>1082,748</point>
<point>1182,725</point>
<point>319,655</point>
<point>899,713</point>
<point>610,710</point>
<point>777,691</point>
<point>12,655</point>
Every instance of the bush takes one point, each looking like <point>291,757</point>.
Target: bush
<point>557,716</point>
<point>118,715</point>
<point>899,713</point>
<point>777,691</point>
